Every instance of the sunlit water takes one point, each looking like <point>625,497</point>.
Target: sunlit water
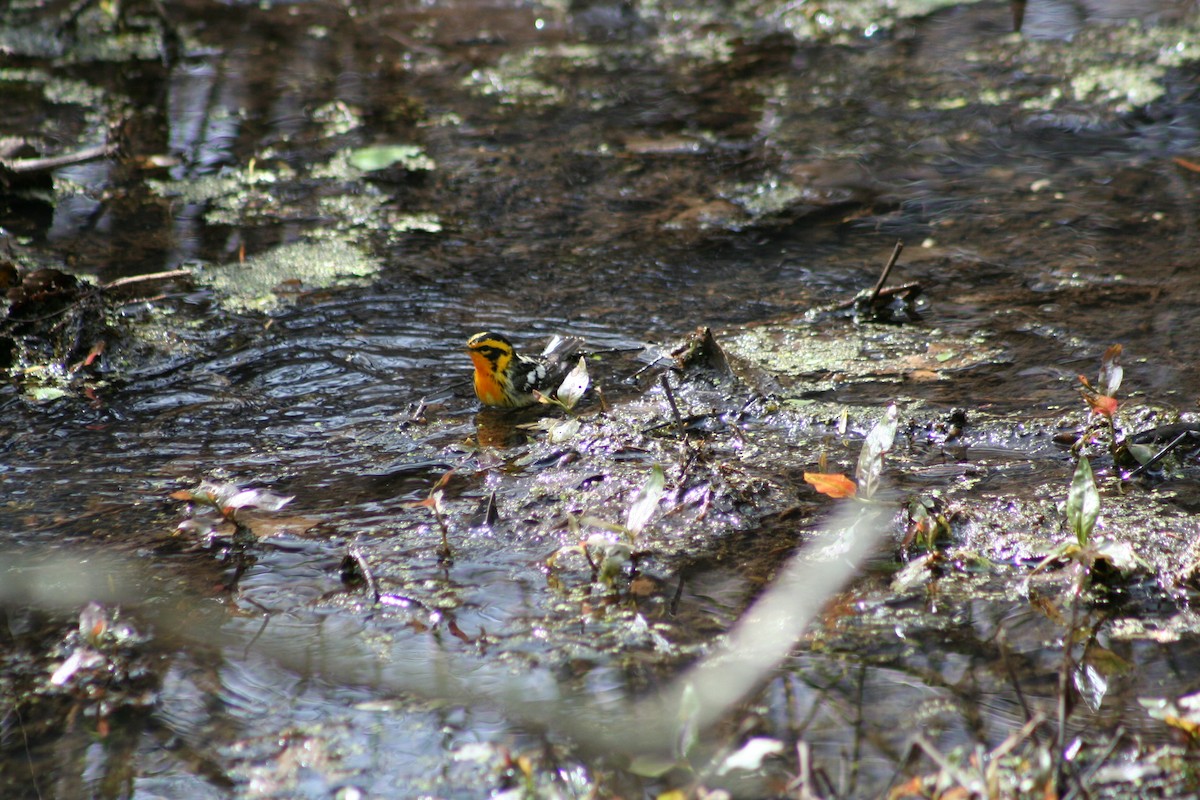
<point>277,667</point>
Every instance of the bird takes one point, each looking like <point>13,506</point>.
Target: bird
<point>503,377</point>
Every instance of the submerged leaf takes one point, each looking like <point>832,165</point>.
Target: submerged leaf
<point>833,484</point>
<point>646,502</point>
<point>1083,502</point>
<point>563,431</point>
<point>652,766</point>
<point>369,159</point>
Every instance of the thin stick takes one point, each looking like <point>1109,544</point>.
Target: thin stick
<point>444,554</point>
<point>666,384</point>
<point>1012,676</point>
<point>891,291</point>
<point>887,269</point>
<point>491,514</point>
<point>1157,456</point>
<point>28,757</point>
<point>365,569</point>
<point>22,165</point>
<point>943,763</point>
<point>1064,672</point>
<point>1097,764</point>
<point>153,276</point>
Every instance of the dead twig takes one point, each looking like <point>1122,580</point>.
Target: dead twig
<point>133,280</point>
<point>887,270</point>
<point>25,166</point>
<point>1080,788</point>
<point>666,384</point>
<point>364,569</point>
<point>1156,457</point>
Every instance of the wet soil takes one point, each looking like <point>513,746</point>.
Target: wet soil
<point>351,190</point>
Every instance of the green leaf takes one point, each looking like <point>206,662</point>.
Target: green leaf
<point>44,394</point>
<point>409,156</point>
<point>1083,502</point>
<point>1141,453</point>
<point>646,502</point>
<point>574,385</point>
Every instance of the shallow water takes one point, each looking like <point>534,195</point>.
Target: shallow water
<point>622,175</point>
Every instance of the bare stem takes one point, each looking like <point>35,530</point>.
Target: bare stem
<point>887,270</point>
<point>666,384</point>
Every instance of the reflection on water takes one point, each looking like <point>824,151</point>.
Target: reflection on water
<point>624,176</point>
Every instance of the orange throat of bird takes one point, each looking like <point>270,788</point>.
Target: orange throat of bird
<point>487,388</point>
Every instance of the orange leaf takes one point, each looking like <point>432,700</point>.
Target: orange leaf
<point>94,353</point>
<point>442,481</point>
<point>914,787</point>
<point>1186,164</point>
<point>1187,725</point>
<point>833,484</point>
<point>428,502</point>
<point>1102,404</point>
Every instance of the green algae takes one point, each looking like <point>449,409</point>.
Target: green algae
<point>263,281</point>
<point>231,190</point>
<point>819,357</point>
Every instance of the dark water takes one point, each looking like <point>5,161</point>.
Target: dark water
<point>623,174</point>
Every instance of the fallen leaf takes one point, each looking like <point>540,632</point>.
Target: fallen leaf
<point>833,484</point>
<point>574,385</point>
<point>646,501</point>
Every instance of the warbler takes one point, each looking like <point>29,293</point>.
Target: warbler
<point>503,377</point>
